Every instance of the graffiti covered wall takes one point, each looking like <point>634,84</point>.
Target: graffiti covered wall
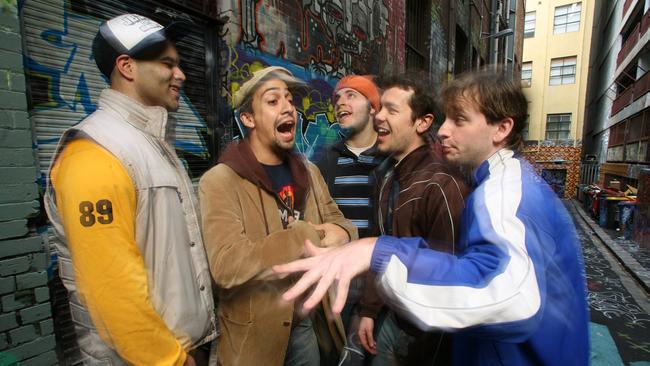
<point>65,82</point>
<point>319,41</point>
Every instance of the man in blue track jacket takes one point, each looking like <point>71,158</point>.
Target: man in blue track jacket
<point>516,293</point>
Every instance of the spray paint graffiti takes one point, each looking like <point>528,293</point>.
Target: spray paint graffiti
<point>315,110</point>
<point>319,41</point>
<point>65,83</point>
<point>331,37</point>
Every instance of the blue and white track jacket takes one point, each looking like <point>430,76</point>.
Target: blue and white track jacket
<point>516,293</point>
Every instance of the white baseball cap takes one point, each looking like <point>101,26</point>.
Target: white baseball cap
<point>131,34</point>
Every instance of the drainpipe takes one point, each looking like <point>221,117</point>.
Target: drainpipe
<point>493,41</point>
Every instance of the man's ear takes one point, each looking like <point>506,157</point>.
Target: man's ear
<point>423,123</point>
<point>504,127</point>
<point>247,119</point>
<point>126,66</point>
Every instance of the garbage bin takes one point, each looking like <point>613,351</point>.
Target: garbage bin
<point>608,212</point>
<point>626,217</point>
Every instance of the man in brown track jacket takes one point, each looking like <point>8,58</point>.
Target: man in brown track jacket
<point>418,196</point>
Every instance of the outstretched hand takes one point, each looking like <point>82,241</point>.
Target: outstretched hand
<point>326,265</point>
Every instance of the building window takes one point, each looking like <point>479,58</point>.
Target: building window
<point>632,152</point>
<point>563,71</point>
<point>629,136</point>
<point>558,126</point>
<point>526,74</point>
<point>529,24</point>
<point>567,18</point>
<point>416,40</point>
<point>615,153</point>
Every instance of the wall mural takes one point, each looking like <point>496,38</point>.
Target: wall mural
<point>319,41</point>
<point>65,82</point>
<point>327,37</point>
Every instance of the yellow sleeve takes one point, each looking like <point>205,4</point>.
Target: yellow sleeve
<point>96,200</point>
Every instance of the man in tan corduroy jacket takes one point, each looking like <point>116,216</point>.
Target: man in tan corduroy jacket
<point>259,205</point>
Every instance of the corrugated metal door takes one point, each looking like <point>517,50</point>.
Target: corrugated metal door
<point>64,85</point>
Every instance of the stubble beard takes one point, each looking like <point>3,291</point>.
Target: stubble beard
<point>282,149</point>
<point>355,127</point>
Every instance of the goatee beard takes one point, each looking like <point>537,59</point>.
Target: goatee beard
<point>280,151</point>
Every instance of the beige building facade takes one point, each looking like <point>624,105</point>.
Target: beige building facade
<point>555,66</point>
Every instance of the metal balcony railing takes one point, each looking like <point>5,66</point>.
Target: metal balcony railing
<point>623,100</point>
<point>639,30</point>
<point>642,86</point>
<point>629,44</point>
<point>635,91</point>
<point>645,23</point>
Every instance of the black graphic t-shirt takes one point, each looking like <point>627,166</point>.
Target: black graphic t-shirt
<point>282,183</point>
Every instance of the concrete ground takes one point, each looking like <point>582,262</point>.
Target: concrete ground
<point>618,282</point>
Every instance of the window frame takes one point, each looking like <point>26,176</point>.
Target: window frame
<point>560,28</point>
<point>526,82</point>
<point>560,126</point>
<point>563,76</point>
<point>529,32</point>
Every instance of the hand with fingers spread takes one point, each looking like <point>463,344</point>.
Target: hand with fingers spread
<point>325,266</point>
<point>331,235</point>
<point>366,337</point>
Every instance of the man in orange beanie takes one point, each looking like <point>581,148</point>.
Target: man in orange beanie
<point>346,166</point>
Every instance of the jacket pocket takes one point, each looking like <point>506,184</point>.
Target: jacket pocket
<point>233,339</point>
<point>237,311</point>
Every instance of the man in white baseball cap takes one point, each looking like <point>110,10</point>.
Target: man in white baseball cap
<point>131,252</point>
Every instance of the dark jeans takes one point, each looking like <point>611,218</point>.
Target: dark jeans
<point>395,347</point>
<point>303,345</point>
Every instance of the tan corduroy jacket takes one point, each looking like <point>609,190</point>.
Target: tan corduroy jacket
<point>244,238</point>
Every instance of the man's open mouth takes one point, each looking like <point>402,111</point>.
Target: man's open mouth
<point>343,114</point>
<point>285,127</point>
<point>382,131</point>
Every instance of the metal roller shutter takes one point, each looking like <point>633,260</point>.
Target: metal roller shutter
<point>64,85</point>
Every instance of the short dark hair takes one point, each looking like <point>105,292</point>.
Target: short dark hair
<point>423,100</point>
<point>495,94</point>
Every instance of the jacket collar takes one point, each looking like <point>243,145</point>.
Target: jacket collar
<point>151,120</point>
<point>240,157</point>
<point>423,154</point>
<point>491,164</point>
<point>342,148</point>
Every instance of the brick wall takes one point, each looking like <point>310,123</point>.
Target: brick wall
<point>26,327</point>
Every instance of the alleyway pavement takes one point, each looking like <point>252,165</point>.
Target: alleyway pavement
<point>619,301</point>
